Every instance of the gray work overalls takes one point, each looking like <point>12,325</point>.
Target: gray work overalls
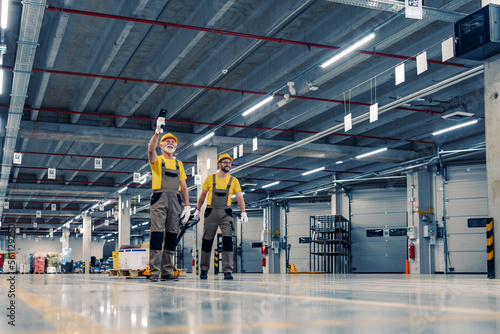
<point>165,210</point>
<point>218,214</point>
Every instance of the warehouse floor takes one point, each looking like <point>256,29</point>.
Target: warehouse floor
<point>252,303</point>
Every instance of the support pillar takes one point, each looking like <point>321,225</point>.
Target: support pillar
<point>207,165</point>
<point>87,240</point>
<point>65,237</point>
<point>420,199</point>
<point>492,128</point>
<point>124,205</point>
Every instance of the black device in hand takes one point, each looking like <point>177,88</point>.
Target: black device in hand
<point>162,113</point>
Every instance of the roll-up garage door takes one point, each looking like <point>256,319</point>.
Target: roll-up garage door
<point>378,230</point>
<point>298,226</point>
<point>250,257</point>
<point>466,197</point>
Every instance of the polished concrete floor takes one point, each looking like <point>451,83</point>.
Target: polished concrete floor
<point>252,303</point>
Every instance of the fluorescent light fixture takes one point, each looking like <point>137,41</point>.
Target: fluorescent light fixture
<point>258,105</point>
<point>78,217</point>
<point>313,171</point>
<point>371,153</point>
<point>106,203</point>
<point>144,178</point>
<point>5,13</point>
<point>103,236</point>
<point>135,226</point>
<point>451,128</point>
<point>145,223</point>
<point>94,206</point>
<point>339,162</point>
<point>123,189</point>
<point>271,184</point>
<point>348,50</point>
<point>211,134</point>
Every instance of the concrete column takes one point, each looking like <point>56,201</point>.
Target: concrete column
<point>87,241</point>
<point>207,165</point>
<point>419,192</point>
<point>124,205</point>
<point>65,237</point>
<point>492,128</point>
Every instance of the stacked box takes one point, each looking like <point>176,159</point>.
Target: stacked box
<point>136,258</point>
<point>39,265</point>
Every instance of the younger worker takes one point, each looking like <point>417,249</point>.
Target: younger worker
<point>219,187</point>
<point>168,186</point>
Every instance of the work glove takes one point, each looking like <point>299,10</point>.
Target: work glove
<point>244,217</point>
<point>160,122</point>
<point>196,215</point>
<point>185,214</point>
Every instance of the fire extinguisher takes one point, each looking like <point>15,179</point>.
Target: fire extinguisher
<point>411,251</point>
<point>263,261</point>
<point>263,249</point>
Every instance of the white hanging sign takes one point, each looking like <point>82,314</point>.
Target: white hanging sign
<point>51,173</point>
<point>18,230</point>
<point>137,177</point>
<point>106,222</point>
<point>193,172</point>
<point>18,158</point>
<point>35,224</point>
<point>235,152</point>
<point>53,207</point>
<point>373,112</point>
<point>413,9</point>
<point>98,163</point>
<point>241,150</point>
<point>24,235</point>
<point>447,49</point>
<point>197,179</point>
<point>422,62</point>
<point>347,122</point>
<point>38,214</point>
<point>400,74</point>
<point>254,146</point>
<point>6,205</point>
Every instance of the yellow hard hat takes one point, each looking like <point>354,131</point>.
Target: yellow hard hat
<point>224,156</point>
<point>168,135</point>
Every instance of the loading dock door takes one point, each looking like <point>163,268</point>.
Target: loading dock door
<point>378,230</point>
<point>250,257</point>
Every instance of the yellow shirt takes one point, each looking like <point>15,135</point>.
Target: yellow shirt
<point>221,184</point>
<point>169,164</point>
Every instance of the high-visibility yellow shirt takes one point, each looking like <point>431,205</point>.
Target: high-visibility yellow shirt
<point>222,185</point>
<point>169,164</point>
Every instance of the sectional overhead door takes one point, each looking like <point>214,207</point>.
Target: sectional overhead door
<point>378,230</point>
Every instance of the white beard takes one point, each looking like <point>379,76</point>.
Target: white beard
<point>169,149</point>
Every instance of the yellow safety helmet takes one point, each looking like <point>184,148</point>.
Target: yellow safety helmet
<point>168,135</point>
<point>224,156</point>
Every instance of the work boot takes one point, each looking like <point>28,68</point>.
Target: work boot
<point>169,277</point>
<point>203,274</point>
<point>153,278</point>
<point>228,276</point>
